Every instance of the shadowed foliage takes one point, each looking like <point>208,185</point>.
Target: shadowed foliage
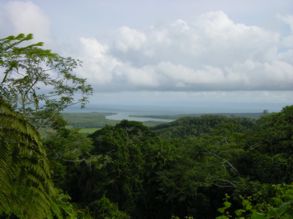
<point>27,190</point>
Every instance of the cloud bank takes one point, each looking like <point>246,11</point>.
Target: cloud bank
<point>212,52</point>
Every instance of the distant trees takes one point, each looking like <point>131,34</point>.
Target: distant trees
<point>185,168</point>
<point>152,177</point>
<point>269,149</point>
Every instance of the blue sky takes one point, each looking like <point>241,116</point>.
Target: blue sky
<point>224,55</point>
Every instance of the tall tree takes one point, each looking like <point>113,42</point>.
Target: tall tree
<point>34,83</point>
<point>34,79</point>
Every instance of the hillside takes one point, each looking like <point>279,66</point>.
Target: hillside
<point>185,168</point>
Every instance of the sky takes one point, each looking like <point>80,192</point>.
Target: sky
<point>187,55</point>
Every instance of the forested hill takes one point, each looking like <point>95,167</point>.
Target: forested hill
<point>205,167</point>
<point>204,125</point>
<point>184,168</point>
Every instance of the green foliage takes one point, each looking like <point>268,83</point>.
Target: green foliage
<point>273,133</point>
<point>269,149</point>
<point>184,168</point>
<point>33,78</point>
<point>122,175</point>
<point>105,209</point>
<point>66,147</point>
<point>27,190</point>
<point>278,207</point>
<point>199,126</point>
<point>160,178</point>
<point>37,83</point>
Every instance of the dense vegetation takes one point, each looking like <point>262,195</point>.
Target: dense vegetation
<point>195,167</point>
<point>184,168</point>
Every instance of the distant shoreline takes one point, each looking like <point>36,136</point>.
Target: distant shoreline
<point>177,116</point>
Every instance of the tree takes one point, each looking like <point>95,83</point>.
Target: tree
<point>269,149</point>
<point>35,79</point>
<point>104,208</point>
<point>279,206</point>
<point>34,83</point>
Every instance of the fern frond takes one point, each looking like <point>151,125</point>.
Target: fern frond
<point>26,188</point>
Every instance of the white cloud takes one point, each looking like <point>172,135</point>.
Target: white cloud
<point>129,39</point>
<point>25,17</point>
<point>109,73</point>
<point>211,53</point>
<point>99,66</point>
